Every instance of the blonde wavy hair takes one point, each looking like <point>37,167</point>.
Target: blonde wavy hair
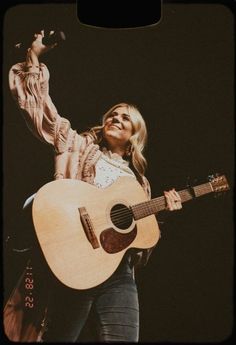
<point>137,140</point>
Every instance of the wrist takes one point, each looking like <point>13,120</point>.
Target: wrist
<point>32,62</point>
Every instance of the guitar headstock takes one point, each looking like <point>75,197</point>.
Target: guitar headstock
<point>219,183</point>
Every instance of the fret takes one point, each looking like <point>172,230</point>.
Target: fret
<point>203,189</point>
<point>149,207</point>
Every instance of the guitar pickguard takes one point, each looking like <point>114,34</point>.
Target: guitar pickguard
<point>113,241</point>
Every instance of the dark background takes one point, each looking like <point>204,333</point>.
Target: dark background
<point>180,73</point>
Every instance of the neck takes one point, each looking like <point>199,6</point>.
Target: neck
<point>118,150</point>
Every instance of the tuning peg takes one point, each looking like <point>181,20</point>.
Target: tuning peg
<point>213,176</point>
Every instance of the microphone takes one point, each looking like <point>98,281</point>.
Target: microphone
<point>50,38</point>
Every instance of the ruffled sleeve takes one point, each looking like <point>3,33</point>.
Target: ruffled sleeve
<point>31,92</point>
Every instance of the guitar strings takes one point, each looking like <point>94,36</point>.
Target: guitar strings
<point>147,206</point>
<point>140,208</point>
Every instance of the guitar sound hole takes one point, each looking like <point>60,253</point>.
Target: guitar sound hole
<point>121,216</point>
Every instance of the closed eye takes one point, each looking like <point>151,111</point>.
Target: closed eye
<point>126,117</point>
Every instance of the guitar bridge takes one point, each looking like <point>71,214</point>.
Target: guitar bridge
<point>88,227</point>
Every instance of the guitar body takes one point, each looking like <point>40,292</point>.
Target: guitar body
<point>85,231</point>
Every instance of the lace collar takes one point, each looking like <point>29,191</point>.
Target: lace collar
<point>114,156</point>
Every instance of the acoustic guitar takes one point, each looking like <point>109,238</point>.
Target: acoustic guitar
<point>84,231</point>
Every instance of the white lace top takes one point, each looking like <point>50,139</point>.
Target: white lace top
<point>109,167</point>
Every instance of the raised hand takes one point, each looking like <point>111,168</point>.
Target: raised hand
<point>38,47</point>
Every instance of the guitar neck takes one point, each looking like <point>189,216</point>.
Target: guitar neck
<point>158,204</point>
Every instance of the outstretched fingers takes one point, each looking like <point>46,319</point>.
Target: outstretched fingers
<point>39,36</point>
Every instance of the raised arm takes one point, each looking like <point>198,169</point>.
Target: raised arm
<point>29,84</point>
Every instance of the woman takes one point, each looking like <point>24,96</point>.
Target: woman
<point>98,157</point>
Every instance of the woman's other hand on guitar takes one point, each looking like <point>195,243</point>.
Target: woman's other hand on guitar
<point>173,200</point>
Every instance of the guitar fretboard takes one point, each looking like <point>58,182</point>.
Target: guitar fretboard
<point>156,205</point>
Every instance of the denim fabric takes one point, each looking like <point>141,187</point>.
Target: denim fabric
<point>114,302</point>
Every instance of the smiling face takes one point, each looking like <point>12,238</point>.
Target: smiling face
<point>118,129</point>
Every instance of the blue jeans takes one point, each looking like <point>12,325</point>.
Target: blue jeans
<point>114,302</point>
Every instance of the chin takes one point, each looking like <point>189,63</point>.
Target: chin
<point>111,134</point>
